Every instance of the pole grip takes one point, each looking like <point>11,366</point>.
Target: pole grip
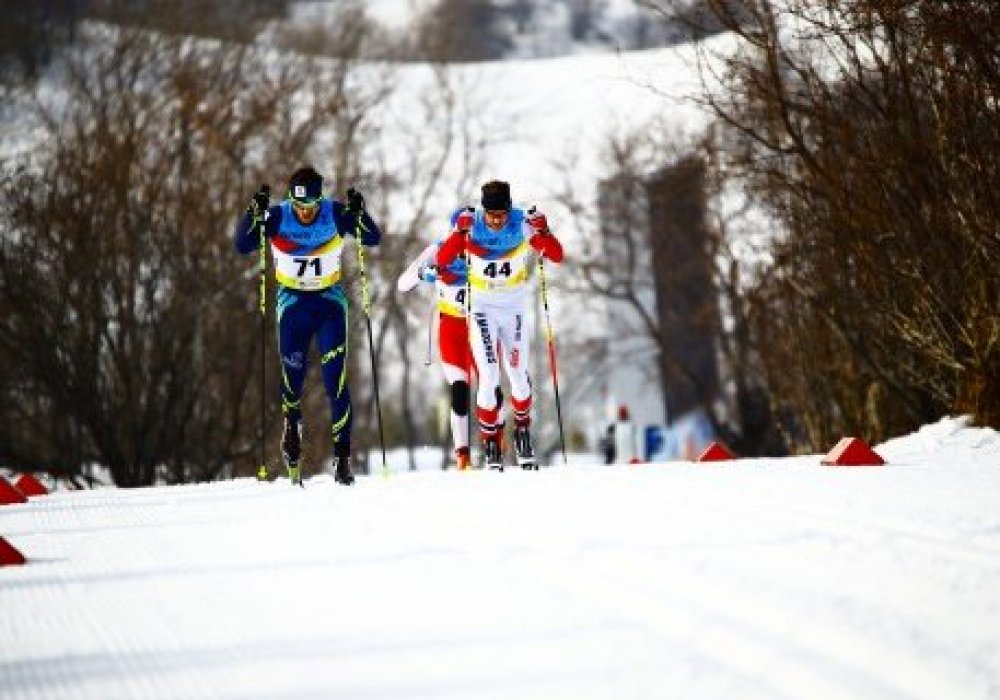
<point>262,266</point>
<point>550,338</point>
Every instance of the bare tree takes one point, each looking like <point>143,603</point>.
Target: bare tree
<point>442,156</point>
<point>663,254</point>
<point>867,129</point>
<point>131,322</point>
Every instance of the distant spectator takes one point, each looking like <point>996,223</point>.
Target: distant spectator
<point>608,444</point>
<point>624,438</point>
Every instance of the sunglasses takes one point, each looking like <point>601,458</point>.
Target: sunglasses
<point>305,203</point>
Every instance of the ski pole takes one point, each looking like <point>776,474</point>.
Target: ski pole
<point>550,338</point>
<point>366,306</point>
<point>430,331</point>
<point>262,469</point>
<point>471,405</point>
<point>430,326</point>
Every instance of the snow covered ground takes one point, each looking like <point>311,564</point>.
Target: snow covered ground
<point>751,579</point>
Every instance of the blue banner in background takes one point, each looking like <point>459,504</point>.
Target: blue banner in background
<point>654,444</point>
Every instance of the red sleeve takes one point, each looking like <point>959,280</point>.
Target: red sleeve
<point>453,246</point>
<point>548,246</point>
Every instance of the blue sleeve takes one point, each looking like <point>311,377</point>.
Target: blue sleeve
<point>348,225</point>
<point>246,238</point>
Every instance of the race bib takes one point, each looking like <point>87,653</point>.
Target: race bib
<point>506,273</point>
<point>308,272</point>
<point>451,299</point>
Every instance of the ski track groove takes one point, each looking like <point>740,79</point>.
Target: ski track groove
<point>869,525</point>
<point>733,646</point>
<point>744,636</point>
<point>867,531</point>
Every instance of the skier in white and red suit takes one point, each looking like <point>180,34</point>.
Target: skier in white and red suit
<point>498,240</point>
<point>453,336</point>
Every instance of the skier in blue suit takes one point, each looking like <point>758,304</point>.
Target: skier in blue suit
<point>307,232</point>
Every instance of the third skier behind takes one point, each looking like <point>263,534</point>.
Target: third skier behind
<point>453,336</point>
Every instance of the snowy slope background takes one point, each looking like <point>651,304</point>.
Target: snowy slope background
<point>550,125</point>
<point>750,579</point>
<point>547,126</point>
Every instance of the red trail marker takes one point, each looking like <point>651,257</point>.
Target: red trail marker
<point>852,452</point>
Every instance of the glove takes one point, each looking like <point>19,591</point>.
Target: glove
<point>428,273</point>
<point>355,202</point>
<point>465,219</point>
<point>537,221</point>
<point>259,203</point>
<point>548,246</point>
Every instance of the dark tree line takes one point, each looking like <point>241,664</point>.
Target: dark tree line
<point>33,33</point>
<point>129,330</point>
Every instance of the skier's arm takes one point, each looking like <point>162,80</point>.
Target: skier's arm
<point>451,249</point>
<point>246,237</point>
<point>351,225</point>
<point>541,238</point>
<point>456,243</point>
<point>413,275</point>
<point>353,219</point>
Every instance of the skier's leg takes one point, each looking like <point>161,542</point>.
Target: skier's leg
<point>514,337</point>
<point>514,341</point>
<point>332,341</point>
<point>453,349</point>
<point>296,325</point>
<point>483,337</point>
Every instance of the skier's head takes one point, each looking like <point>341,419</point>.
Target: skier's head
<point>496,203</point>
<point>305,188</point>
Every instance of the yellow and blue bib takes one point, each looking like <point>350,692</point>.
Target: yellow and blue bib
<point>498,260</point>
<point>307,257</point>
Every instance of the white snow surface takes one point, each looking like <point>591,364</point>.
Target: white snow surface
<point>766,578</point>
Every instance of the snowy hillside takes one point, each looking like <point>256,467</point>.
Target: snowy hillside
<point>751,579</point>
<point>548,123</point>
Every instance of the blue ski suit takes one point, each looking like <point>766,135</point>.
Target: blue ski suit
<point>311,299</point>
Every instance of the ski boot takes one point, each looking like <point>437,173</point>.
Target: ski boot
<point>462,457</point>
<point>343,474</point>
<point>291,450</point>
<point>493,452</point>
<point>525,452</point>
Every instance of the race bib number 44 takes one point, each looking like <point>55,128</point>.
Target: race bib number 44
<point>500,274</point>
